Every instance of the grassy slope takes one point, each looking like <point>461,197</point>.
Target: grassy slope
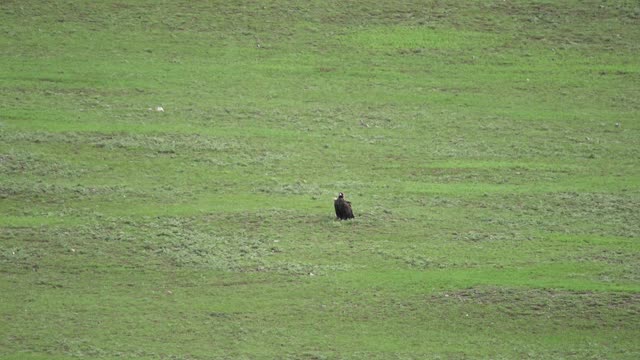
<point>496,200</point>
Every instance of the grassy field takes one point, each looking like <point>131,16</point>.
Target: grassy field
<point>491,150</point>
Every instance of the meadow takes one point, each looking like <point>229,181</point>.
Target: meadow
<point>167,173</point>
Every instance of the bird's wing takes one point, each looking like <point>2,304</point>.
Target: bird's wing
<point>349,211</point>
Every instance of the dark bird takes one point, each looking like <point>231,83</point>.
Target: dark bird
<point>343,207</point>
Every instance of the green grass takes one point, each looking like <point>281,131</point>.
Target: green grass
<point>490,150</point>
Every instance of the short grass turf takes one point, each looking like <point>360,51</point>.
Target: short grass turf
<point>491,151</point>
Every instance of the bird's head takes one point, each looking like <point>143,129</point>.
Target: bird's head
<point>340,195</point>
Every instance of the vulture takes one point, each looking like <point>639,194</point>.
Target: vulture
<point>343,208</point>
